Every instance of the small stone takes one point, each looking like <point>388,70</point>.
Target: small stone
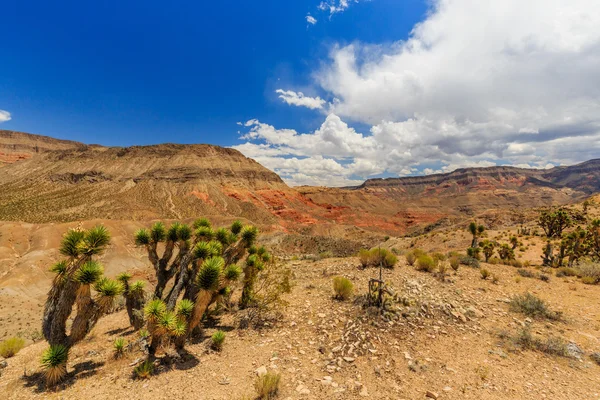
<point>364,392</point>
<point>447,389</point>
<point>349,359</point>
<point>260,371</point>
<point>431,395</point>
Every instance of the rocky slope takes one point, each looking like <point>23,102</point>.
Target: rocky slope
<point>16,146</point>
<point>61,181</point>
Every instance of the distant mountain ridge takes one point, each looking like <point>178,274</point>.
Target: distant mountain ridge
<point>50,180</point>
<point>583,177</point>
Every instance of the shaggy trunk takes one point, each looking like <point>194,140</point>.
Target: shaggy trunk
<point>202,302</point>
<point>250,275</point>
<point>184,277</point>
<point>56,320</point>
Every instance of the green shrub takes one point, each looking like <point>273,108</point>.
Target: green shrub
<point>484,273</point>
<point>437,257</point>
<point>410,258</point>
<point>544,277</point>
<point>469,261</point>
<point>425,263</point>
<point>525,273</point>
<point>454,263</point>
<point>144,370</point>
<point>589,273</point>
<point>532,306</point>
<point>119,347</point>
<point>325,254</point>
<point>11,346</point>
<point>217,340</point>
<point>494,261</point>
<point>267,385</point>
<point>376,257</point>
<point>565,271</point>
<point>516,263</point>
<point>54,362</point>
<point>342,287</point>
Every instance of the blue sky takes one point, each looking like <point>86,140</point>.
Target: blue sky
<point>124,73</point>
<point>327,92</point>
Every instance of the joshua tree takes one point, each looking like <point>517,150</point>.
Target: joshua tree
<point>488,248</point>
<point>72,285</point>
<point>593,239</point>
<point>554,223</point>
<point>575,244</point>
<point>506,252</point>
<point>134,295</point>
<point>254,264</point>
<point>203,270</point>
<point>514,242</point>
<point>476,231</point>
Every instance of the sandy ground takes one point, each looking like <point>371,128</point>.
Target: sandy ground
<point>430,351</point>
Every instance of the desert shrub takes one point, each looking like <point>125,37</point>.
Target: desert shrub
<point>419,252</point>
<point>516,263</point>
<point>410,258</point>
<point>325,254</point>
<point>544,277</point>
<point>532,306</point>
<point>494,261</point>
<point>54,361</point>
<point>565,271</point>
<point>589,273</point>
<point>484,273</point>
<point>454,263</point>
<point>595,358</point>
<point>495,279</point>
<point>474,252</point>
<point>553,345</point>
<point>469,261</point>
<point>342,287</point>
<point>144,334</point>
<point>119,347</point>
<point>144,370</point>
<point>217,340</point>
<point>438,257</point>
<point>588,280</point>
<point>11,346</point>
<point>425,263</point>
<point>267,385</point>
<point>525,273</point>
<point>376,257</point>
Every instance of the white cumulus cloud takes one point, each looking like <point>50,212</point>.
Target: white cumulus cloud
<point>475,84</point>
<point>299,99</point>
<point>4,116</point>
<point>311,20</point>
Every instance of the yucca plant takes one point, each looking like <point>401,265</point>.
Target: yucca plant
<point>217,340</point>
<point>54,361</point>
<point>119,346</point>
<point>255,262</point>
<point>76,275</point>
<point>203,262</point>
<point>134,295</point>
<point>144,370</point>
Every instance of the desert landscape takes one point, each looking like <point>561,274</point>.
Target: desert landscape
<point>471,303</point>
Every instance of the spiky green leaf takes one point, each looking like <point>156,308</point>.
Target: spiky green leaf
<point>201,222</point>
<point>236,227</point>
<point>154,309</point>
<point>210,273</point>
<point>232,272</point>
<point>158,232</point>
<point>142,237</point>
<point>70,244</point>
<point>185,308</point>
<point>89,273</point>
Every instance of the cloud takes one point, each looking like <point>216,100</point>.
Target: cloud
<point>475,84</point>
<point>335,6</point>
<point>311,20</point>
<point>4,116</point>
<point>298,99</point>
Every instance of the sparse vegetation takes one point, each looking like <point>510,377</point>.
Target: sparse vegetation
<point>119,346</point>
<point>425,263</point>
<point>525,340</point>
<point>532,306</point>
<point>11,346</point>
<point>217,340</point>
<point>342,287</point>
<point>469,261</point>
<point>484,273</point>
<point>267,385</point>
<point>376,257</point>
<point>54,362</point>
<point>589,273</point>
<point>525,273</point>
<point>144,370</point>
<point>72,285</point>
<point>454,263</point>
<point>554,222</point>
<point>410,258</point>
